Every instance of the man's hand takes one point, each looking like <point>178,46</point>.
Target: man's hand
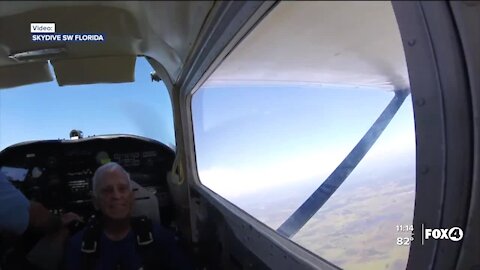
<point>69,217</point>
<point>41,219</point>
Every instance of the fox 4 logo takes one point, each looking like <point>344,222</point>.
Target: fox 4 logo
<point>453,234</point>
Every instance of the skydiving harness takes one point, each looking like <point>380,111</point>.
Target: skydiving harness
<point>142,228</point>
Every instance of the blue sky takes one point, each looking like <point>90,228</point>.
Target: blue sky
<point>47,111</point>
<point>250,139</point>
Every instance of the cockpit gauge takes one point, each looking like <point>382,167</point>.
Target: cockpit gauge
<point>102,158</point>
<point>36,172</point>
<point>52,162</point>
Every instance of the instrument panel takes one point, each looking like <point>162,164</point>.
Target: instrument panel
<point>58,173</point>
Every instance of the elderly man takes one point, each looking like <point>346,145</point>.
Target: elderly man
<point>116,241</point>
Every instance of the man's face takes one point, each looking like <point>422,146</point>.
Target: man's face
<point>115,199</point>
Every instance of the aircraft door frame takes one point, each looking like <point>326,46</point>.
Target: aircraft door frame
<point>443,123</point>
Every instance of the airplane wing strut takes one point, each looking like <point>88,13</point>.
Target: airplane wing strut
<point>318,198</point>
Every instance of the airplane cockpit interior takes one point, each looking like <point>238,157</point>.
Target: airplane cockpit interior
<point>259,134</point>
<point>58,173</point>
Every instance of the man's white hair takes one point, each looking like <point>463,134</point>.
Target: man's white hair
<point>107,168</point>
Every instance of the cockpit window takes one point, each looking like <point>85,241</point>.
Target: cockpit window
<point>285,128</point>
<point>46,111</point>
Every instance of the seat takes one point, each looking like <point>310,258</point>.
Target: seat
<point>146,203</point>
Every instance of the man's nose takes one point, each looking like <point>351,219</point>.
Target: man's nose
<point>116,193</point>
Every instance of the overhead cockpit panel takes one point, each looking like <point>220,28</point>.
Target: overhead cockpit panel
<point>23,74</point>
<point>166,31</point>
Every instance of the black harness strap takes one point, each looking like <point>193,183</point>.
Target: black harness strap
<point>142,226</point>
<point>90,244</point>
